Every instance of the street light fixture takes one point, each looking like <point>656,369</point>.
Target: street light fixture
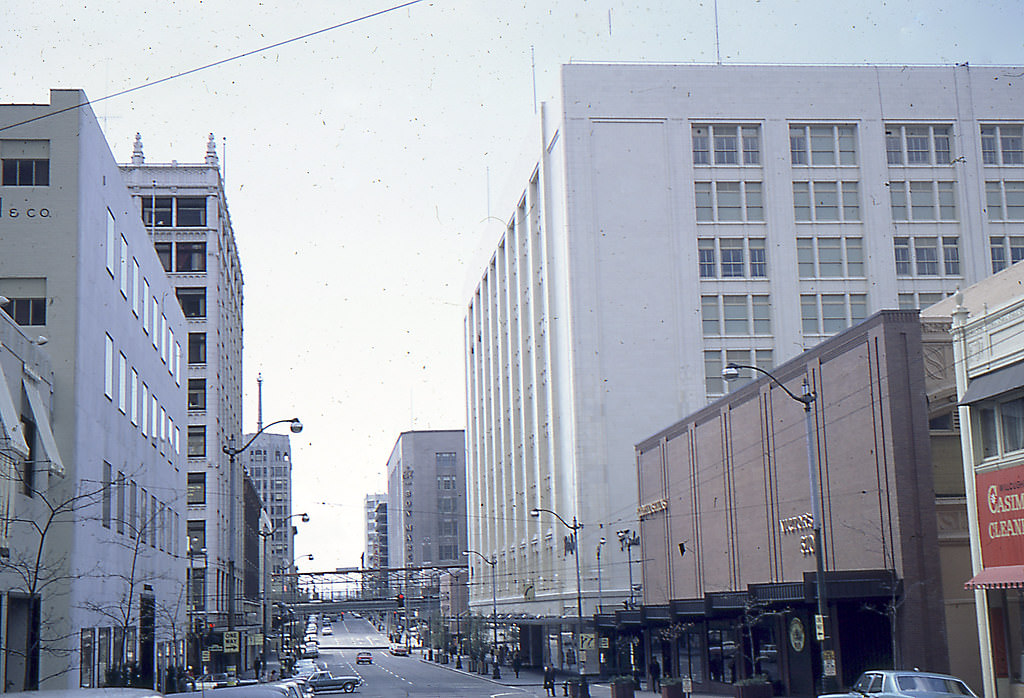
<point>600,593</point>
<point>807,398</point>
<point>575,526</point>
<point>231,451</point>
<point>493,562</point>
<point>627,539</point>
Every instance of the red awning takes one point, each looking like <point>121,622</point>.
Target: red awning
<point>1006,577</point>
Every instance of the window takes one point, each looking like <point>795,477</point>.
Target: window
<point>826,201</point>
<point>823,145</point>
<point>829,257</point>
<point>706,258</point>
<point>27,312</point>
<point>831,312</point>
<point>1004,201</point>
<point>156,211</point>
<point>729,202</point>
<point>108,367</point>
<point>134,398</point>
<point>449,527</point>
<point>191,256</point>
<point>929,201</point>
<point>123,267</point>
<point>25,163</point>
<point>197,347</point>
<point>110,249</point>
<point>122,384</point>
<point>197,393</point>
<point>446,505</point>
<point>108,491</point>
<point>1000,145</point>
<point>920,256</point>
<point>1005,248</point>
<point>716,359</point>
<point>1001,427</point>
<point>196,441</point>
<point>196,488</point>
<point>191,212</point>
<point>732,145</point>
<point>193,301</point>
<point>164,250</point>
<point>912,301</point>
<point>444,459</point>
<point>737,315</point>
<point>120,493</point>
<point>196,532</point>
<point>918,145</point>
<point>758,258</point>
<point>733,263</point>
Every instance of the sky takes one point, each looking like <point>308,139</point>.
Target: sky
<point>365,164</point>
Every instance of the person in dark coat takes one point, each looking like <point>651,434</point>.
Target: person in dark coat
<point>655,670</point>
<point>549,680</point>
<point>517,664</point>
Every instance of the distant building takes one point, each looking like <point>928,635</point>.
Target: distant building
<point>426,507</point>
<point>269,463</point>
<point>375,554</point>
<point>681,217</point>
<point>184,207</point>
<point>77,266</point>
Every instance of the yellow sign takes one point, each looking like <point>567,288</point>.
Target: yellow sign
<point>231,641</point>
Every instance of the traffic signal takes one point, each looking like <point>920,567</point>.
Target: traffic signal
<point>401,600</point>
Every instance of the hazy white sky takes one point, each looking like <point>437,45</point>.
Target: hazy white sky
<point>363,164</point>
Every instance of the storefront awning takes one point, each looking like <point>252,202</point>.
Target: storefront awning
<point>1005,577</point>
<point>995,383</point>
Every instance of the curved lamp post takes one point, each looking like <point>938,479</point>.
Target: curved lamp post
<point>493,562</point>
<point>575,527</point>
<point>268,533</point>
<point>807,398</point>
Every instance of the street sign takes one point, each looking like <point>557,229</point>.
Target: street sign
<point>206,655</point>
<point>231,641</point>
<point>603,643</point>
<point>828,662</point>
<point>687,684</point>
<point>819,626</point>
<point>588,641</point>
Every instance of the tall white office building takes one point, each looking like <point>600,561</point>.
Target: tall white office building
<point>184,207</point>
<point>680,217</point>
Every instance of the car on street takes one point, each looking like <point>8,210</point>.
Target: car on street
<point>325,682</point>
<point>399,650</point>
<point>310,650</point>
<point>904,684</point>
<point>207,682</point>
<point>327,630</point>
<point>364,658</point>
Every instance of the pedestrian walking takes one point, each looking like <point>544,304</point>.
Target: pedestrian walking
<point>549,680</point>
<point>517,664</point>
<point>655,670</point>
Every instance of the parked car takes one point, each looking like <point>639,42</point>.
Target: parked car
<point>325,682</point>
<point>399,650</point>
<point>364,658</point>
<point>327,630</point>
<point>207,682</point>
<point>904,684</point>
<point>310,650</point>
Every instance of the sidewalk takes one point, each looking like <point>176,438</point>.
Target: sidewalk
<point>531,680</point>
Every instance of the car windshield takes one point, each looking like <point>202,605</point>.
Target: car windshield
<point>915,683</point>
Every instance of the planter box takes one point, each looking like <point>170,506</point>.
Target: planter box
<point>622,689</point>
<point>673,690</point>
<point>756,690</point>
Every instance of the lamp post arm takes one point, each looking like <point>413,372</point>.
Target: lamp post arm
<point>574,526</point>
<point>232,451</point>
<point>805,399</point>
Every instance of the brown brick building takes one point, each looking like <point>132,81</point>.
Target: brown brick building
<point>728,559</point>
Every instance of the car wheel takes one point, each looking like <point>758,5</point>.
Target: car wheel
<point>349,688</point>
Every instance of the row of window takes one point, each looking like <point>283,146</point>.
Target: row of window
<point>134,399</point>
<point>717,359</point>
<point>831,145</point>
<point>732,258</point>
<point>24,163</point>
<point>827,201</point>
<point>927,256</point>
<point>133,512</point>
<point>174,211</point>
<point>135,289</point>
<point>828,313</point>
<point>27,312</point>
<point>735,315</point>
<point>182,256</point>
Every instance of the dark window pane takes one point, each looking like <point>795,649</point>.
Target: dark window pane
<point>191,256</point>
<point>191,212</point>
<point>163,251</point>
<point>193,302</point>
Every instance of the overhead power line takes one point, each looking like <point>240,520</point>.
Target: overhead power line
<point>192,71</point>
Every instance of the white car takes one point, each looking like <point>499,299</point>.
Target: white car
<point>327,630</point>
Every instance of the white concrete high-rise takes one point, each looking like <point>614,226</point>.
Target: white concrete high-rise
<point>680,217</point>
<point>78,267</point>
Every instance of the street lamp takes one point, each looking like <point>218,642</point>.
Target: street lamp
<point>807,398</point>
<point>627,539</point>
<point>600,593</point>
<point>231,451</point>
<point>493,562</point>
<point>265,534</point>
<point>193,552</point>
<point>575,526</point>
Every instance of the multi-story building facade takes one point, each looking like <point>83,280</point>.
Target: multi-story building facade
<point>269,463</point>
<point>426,507</point>
<point>375,553</point>
<point>683,217</point>
<point>78,267</point>
<point>184,208</point>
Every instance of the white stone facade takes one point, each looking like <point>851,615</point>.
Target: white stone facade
<point>682,217</point>
<point>71,237</point>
